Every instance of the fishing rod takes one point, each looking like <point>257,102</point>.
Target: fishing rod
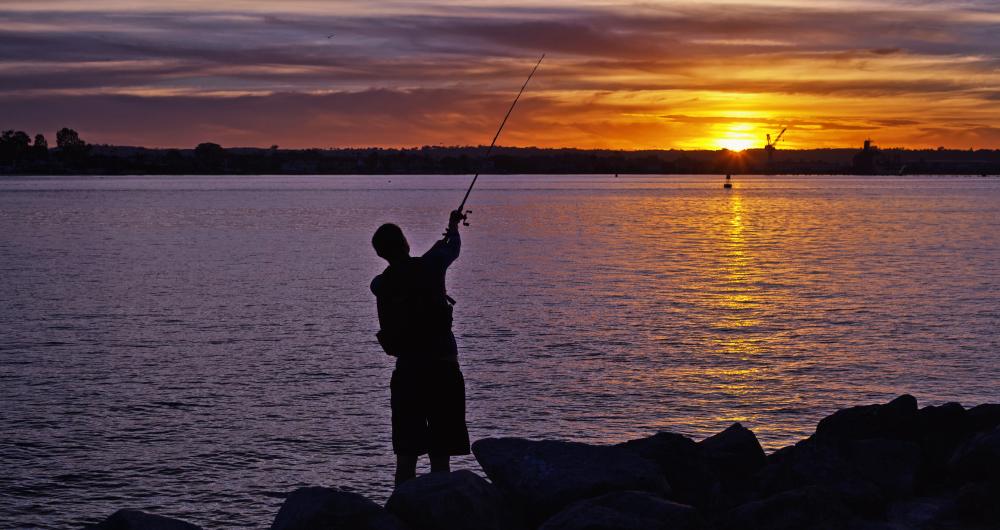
<point>493,143</point>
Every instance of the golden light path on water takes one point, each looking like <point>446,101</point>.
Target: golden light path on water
<point>733,307</point>
<point>737,310</point>
<point>707,277</point>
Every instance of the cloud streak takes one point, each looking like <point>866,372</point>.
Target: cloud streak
<point>902,72</point>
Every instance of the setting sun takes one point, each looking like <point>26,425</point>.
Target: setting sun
<point>735,144</point>
<point>736,136</point>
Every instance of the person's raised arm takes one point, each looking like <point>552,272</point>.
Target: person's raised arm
<point>447,249</point>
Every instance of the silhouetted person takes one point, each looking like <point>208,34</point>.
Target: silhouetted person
<point>414,313</point>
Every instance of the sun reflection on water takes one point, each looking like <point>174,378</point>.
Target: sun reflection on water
<point>737,310</point>
<point>737,302</point>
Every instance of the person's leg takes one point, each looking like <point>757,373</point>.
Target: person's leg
<point>409,428</point>
<point>406,468</point>
<point>446,418</point>
<point>440,463</point>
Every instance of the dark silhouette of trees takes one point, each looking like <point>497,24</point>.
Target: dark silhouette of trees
<point>73,150</point>
<point>210,157</point>
<point>208,149</point>
<point>74,156</point>
<point>14,147</point>
<point>69,140</point>
<point>174,160</point>
<point>40,150</point>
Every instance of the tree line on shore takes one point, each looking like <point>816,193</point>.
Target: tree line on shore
<point>18,150</point>
<point>20,155</point>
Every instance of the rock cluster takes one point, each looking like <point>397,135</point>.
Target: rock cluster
<point>890,466</point>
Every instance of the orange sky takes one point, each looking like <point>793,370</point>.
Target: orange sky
<point>656,74</point>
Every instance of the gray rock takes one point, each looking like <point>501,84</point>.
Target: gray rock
<point>543,477</point>
<point>138,520</point>
<point>949,421</point>
<point>976,502</point>
<point>977,459</point>
<point>683,463</point>
<point>803,464</point>
<point>894,420</point>
<point>812,508</point>
<point>716,472</point>
<point>460,500</point>
<point>318,508</point>
<point>865,473</point>
<point>626,510</point>
<point>985,417</point>
<point>941,430</point>
<point>862,524</point>
<point>921,513</point>
<point>736,450</point>
<point>735,456</point>
<point>891,465</point>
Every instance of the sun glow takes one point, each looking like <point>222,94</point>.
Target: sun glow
<point>735,144</point>
<point>737,136</point>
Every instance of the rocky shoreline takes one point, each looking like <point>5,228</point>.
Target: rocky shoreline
<point>889,466</point>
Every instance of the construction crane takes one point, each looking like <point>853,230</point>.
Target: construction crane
<point>770,146</point>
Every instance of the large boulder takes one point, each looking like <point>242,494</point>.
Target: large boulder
<point>544,477</point>
<point>139,520</point>
<point>734,450</point>
<point>865,473</point>
<point>683,463</point>
<point>921,513</point>
<point>718,471</point>
<point>318,508</point>
<point>978,459</point>
<point>626,510</point>
<point>803,464</point>
<point>811,508</point>
<point>891,465</point>
<point>984,417</point>
<point>976,503</point>
<point>460,500</point>
<point>943,422</point>
<point>894,420</point>
<point>735,456</point>
<point>941,430</point>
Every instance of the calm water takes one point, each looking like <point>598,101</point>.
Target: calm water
<point>198,346</point>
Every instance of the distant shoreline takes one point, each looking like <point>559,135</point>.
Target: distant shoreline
<point>211,159</point>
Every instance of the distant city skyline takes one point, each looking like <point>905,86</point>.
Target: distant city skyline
<point>619,75</point>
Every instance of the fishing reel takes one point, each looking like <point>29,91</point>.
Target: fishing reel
<point>464,217</point>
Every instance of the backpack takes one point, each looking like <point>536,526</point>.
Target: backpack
<point>414,314</point>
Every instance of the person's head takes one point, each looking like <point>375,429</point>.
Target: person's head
<point>390,243</point>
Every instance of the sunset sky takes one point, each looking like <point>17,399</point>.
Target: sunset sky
<point>654,74</point>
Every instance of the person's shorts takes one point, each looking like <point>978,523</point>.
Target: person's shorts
<point>428,409</point>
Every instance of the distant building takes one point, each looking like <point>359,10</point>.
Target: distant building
<point>865,160</point>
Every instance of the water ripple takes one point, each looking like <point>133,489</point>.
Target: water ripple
<point>199,346</point>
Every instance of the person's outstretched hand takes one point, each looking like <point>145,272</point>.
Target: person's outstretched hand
<point>456,217</point>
